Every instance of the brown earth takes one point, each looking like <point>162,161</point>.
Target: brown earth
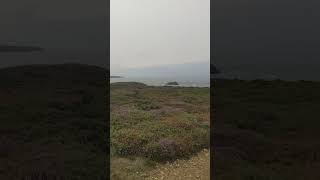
<point>197,167</point>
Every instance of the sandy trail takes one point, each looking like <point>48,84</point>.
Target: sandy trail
<point>198,167</point>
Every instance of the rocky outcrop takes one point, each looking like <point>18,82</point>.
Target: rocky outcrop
<point>174,83</point>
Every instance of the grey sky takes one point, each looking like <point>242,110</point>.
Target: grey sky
<point>147,33</point>
<point>277,37</point>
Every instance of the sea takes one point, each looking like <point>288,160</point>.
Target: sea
<point>161,81</point>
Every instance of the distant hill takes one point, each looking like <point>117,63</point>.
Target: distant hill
<point>116,77</point>
<point>70,73</point>
<point>7,48</point>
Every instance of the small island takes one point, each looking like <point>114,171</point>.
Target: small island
<point>174,83</point>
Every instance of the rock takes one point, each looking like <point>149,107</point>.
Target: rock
<point>174,83</point>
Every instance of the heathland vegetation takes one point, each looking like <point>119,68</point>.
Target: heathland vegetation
<point>266,130</point>
<point>153,125</point>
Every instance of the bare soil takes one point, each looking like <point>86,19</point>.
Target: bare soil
<point>197,167</point>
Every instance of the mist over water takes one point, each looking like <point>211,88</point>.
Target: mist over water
<point>270,71</point>
<point>188,74</point>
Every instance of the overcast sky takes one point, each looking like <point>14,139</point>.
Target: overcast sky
<point>149,33</point>
<point>278,37</point>
<point>56,24</point>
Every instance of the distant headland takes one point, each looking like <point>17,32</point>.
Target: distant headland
<point>116,77</point>
<point>11,48</point>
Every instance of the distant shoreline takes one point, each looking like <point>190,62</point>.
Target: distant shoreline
<point>116,77</point>
<point>134,83</point>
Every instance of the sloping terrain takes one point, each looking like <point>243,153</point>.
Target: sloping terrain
<point>154,125</point>
<point>266,130</point>
<point>53,122</point>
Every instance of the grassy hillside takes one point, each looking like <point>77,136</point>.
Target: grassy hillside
<point>266,130</point>
<point>151,125</point>
<point>53,122</point>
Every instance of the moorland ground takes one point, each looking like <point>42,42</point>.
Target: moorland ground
<point>53,122</point>
<point>266,130</point>
<point>153,125</point>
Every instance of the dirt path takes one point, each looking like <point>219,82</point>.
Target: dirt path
<point>198,167</point>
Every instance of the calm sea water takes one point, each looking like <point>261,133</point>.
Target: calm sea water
<point>183,82</point>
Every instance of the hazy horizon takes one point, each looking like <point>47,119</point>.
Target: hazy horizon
<point>187,70</point>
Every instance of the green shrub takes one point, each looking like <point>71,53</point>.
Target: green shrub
<point>146,105</point>
<point>127,142</point>
<point>165,149</point>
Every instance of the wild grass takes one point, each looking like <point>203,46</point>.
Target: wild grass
<point>158,124</point>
